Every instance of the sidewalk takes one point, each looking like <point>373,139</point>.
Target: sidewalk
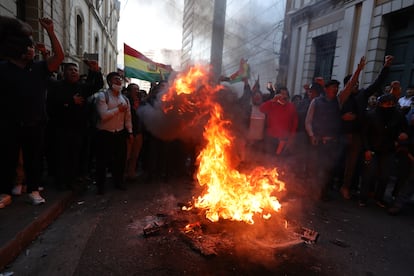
<point>21,223</point>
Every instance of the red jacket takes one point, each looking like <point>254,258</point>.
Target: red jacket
<point>281,119</point>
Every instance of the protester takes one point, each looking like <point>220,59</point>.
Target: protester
<point>395,90</point>
<point>296,99</point>
<point>24,117</point>
<point>381,129</point>
<point>134,146</point>
<point>154,149</point>
<point>114,128</point>
<point>372,102</point>
<point>352,113</point>
<point>407,100</point>
<point>323,125</point>
<point>281,124</point>
<point>302,145</point>
<point>257,119</point>
<point>69,117</point>
<point>403,192</point>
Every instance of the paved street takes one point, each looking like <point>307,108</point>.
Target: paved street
<point>103,235</point>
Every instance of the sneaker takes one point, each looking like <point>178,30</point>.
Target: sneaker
<point>5,200</point>
<point>381,203</point>
<point>35,198</point>
<point>362,203</point>
<point>19,189</point>
<point>41,188</point>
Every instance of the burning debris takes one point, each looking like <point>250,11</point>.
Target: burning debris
<point>216,238</point>
<point>154,224</point>
<point>308,236</point>
<point>228,193</point>
<point>210,242</point>
<point>235,209</point>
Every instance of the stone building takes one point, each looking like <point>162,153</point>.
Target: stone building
<point>85,28</point>
<point>327,38</point>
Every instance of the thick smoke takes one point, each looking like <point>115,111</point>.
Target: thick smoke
<point>169,125</point>
<point>182,117</point>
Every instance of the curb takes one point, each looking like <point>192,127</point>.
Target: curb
<point>23,238</point>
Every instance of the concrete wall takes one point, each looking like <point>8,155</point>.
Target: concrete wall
<point>8,8</point>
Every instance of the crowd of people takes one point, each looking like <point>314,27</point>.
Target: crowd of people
<point>75,130</point>
<point>356,140</point>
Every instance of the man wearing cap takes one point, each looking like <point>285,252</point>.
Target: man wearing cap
<point>323,125</point>
<point>302,141</point>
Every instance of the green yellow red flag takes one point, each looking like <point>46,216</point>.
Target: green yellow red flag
<point>241,74</point>
<point>138,66</point>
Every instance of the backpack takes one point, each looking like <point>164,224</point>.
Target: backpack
<point>94,117</point>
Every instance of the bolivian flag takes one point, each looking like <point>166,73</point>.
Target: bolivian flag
<point>140,67</point>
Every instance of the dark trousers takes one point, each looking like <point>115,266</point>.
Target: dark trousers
<point>353,149</point>
<point>324,158</point>
<point>68,152</point>
<point>30,139</point>
<point>376,175</point>
<point>301,152</point>
<point>406,190</point>
<point>403,166</point>
<point>275,146</point>
<point>111,149</point>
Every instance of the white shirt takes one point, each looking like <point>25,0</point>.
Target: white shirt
<point>405,102</point>
<point>110,117</point>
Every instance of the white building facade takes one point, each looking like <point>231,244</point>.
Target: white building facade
<point>85,28</point>
<point>328,38</point>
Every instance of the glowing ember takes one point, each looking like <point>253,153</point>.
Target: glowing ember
<point>228,194</point>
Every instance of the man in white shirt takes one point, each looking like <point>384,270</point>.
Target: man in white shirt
<point>406,101</point>
<point>114,127</point>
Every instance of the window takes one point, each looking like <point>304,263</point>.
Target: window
<point>79,35</point>
<point>325,53</point>
<point>96,44</point>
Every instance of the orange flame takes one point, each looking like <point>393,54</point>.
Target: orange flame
<point>228,194</point>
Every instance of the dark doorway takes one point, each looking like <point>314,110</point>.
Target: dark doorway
<point>400,44</point>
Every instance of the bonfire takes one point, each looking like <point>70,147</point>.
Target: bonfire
<point>227,193</point>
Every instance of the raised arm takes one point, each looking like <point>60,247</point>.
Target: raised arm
<point>57,57</point>
<point>343,95</point>
<point>94,80</point>
<point>380,80</point>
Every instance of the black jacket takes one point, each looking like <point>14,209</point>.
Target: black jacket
<point>61,108</point>
<point>381,128</point>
